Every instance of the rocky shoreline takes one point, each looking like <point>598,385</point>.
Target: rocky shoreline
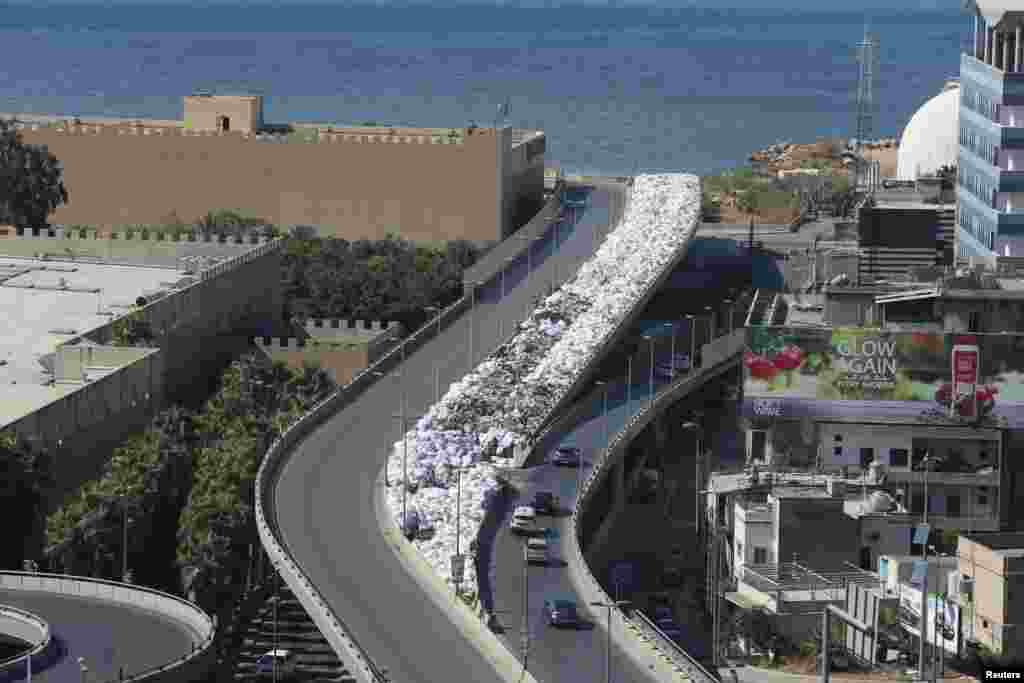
<point>834,154</point>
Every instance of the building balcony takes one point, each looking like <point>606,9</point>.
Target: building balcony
<point>995,80</point>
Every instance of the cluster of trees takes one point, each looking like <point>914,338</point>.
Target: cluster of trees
<point>26,474</point>
<point>388,279</point>
<point>31,180</point>
<point>181,492</point>
<point>754,192</point>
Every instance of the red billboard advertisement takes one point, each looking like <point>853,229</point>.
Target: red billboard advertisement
<point>794,372</point>
<point>964,402</point>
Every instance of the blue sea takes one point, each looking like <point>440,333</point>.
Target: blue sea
<point>617,89</point>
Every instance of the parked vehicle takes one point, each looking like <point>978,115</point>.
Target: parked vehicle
<point>426,528</point>
<point>545,503</point>
<point>569,456</point>
<point>537,551</point>
<point>285,660</point>
<point>524,520</point>
<point>670,628</point>
<point>560,612</point>
<point>662,612</point>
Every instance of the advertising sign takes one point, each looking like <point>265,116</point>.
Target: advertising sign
<point>965,382</point>
<point>793,372</point>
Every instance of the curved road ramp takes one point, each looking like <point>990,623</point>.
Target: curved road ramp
<point>317,495</point>
<point>76,628</point>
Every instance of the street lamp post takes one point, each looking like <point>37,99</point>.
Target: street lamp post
<point>672,351</point>
<point>629,383</point>
<point>711,322</point>
<point>526,608</point>
<point>728,303</point>
<point>693,342</point>
<point>608,640</point>
<point>501,319</point>
<point>925,463</point>
<point>604,418</point>
<point>697,479</point>
<point>458,518</point>
<point>387,449</point>
<point>650,397</point>
<point>437,363</point>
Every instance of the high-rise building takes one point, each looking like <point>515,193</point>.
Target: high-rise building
<point>990,195</point>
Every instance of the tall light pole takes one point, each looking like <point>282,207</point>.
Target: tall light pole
<point>650,397</point>
<point>672,351</point>
<point>458,518</point>
<point>629,383</point>
<point>472,319</point>
<point>554,255</point>
<point>697,478</point>
<point>604,418</point>
<point>526,607</point>
<point>277,599</point>
<point>608,641</point>
<point>925,463</point>
<point>728,303</point>
<point>437,363</point>
<point>501,319</point>
<point>711,322</point>
<point>387,449</point>
<point>693,341</point>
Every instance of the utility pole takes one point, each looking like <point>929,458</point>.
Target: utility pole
<point>925,463</point>
<point>526,609</point>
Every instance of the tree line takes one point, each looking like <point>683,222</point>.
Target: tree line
<point>181,492</point>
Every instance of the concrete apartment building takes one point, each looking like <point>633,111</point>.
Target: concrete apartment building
<point>428,185</point>
<point>67,379</point>
<point>991,129</point>
<point>991,589</point>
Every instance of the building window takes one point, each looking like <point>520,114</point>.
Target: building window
<point>898,457</point>
<point>838,452</point>
<point>974,319</point>
<point>982,499</point>
<point>984,622</point>
<point>760,556</point>
<point>917,456</point>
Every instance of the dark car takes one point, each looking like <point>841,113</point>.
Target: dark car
<point>570,456</point>
<point>661,613</point>
<point>545,503</point>
<point>411,526</point>
<point>561,613</point>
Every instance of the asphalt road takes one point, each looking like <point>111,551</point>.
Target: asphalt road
<point>324,493</point>
<point>557,655</point>
<point>107,635</point>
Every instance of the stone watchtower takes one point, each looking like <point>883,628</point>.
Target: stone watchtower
<point>241,113</point>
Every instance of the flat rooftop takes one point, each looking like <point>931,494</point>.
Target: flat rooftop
<point>519,136</point>
<point>47,303</point>
<point>1005,543</point>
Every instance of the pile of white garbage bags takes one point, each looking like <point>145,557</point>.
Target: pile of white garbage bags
<point>505,400</point>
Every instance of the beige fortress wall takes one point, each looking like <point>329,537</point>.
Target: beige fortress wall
<point>342,364</point>
<point>421,190</point>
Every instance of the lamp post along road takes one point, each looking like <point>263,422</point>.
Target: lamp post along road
<point>728,303</point>
<point>629,382</point>
<point>388,442</point>
<point>925,463</point>
<point>650,396</point>
<point>608,640</point>
<point>437,363</point>
<point>693,343</point>
<point>672,351</point>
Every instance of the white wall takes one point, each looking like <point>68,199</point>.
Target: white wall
<point>1011,116</point>
<point>856,437</point>
<point>752,534</point>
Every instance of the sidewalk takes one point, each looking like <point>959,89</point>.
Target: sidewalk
<point>752,674</point>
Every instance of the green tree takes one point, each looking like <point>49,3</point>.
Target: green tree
<point>31,180</point>
<point>26,475</point>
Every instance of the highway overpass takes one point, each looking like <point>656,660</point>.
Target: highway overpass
<point>121,631</point>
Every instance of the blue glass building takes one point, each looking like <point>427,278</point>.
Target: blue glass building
<point>990,192</point>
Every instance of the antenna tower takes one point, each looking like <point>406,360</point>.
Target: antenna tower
<point>867,56</point>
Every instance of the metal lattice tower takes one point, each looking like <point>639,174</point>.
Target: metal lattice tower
<point>867,56</point>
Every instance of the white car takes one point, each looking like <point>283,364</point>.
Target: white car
<point>524,520</point>
<point>285,660</point>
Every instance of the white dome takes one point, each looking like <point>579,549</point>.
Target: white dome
<point>932,138</point>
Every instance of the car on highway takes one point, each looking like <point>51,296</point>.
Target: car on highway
<point>561,612</point>
<point>670,628</point>
<point>569,456</point>
<point>524,520</point>
<point>284,659</point>
<point>411,524</point>
<point>537,551</point>
<point>545,503</point>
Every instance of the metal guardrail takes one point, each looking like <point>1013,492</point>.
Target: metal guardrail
<point>677,655</point>
<point>8,613</point>
<point>164,604</point>
<point>722,353</point>
<point>334,629</point>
